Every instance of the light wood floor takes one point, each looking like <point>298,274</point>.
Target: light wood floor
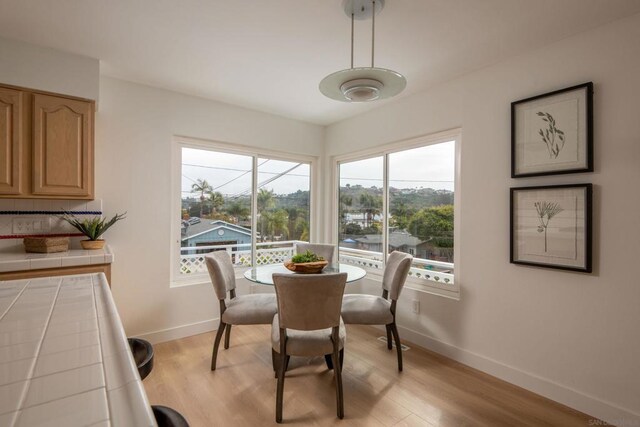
<point>432,390</point>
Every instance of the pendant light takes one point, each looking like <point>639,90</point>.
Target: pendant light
<point>363,84</point>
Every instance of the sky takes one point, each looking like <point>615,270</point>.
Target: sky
<point>230,174</point>
<point>432,166</point>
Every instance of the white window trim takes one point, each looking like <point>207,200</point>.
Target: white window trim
<point>431,287</point>
<point>178,143</point>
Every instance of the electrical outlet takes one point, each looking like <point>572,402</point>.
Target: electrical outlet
<point>30,225</point>
<point>416,306</point>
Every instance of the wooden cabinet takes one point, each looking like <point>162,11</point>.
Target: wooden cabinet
<point>62,146</point>
<point>46,145</point>
<point>12,135</point>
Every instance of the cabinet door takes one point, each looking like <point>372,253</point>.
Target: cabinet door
<point>62,147</point>
<point>11,140</point>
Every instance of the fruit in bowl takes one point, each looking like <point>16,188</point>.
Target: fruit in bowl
<point>307,263</point>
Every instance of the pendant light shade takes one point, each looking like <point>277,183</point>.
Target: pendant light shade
<point>362,84</point>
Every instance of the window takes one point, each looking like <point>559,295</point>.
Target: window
<point>402,198</point>
<point>252,206</point>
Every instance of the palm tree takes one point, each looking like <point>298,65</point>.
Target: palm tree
<point>345,202</point>
<point>401,214</point>
<point>265,202</point>
<point>296,217</point>
<point>238,210</point>
<point>216,201</point>
<point>203,187</point>
<point>276,223</point>
<point>371,205</point>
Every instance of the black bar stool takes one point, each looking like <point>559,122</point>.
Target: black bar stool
<point>143,355</point>
<point>142,351</point>
<point>167,417</point>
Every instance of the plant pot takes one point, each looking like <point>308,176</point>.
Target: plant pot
<point>92,244</point>
<point>306,267</point>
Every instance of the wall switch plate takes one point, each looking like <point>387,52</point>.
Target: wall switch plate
<point>31,225</point>
<point>416,306</point>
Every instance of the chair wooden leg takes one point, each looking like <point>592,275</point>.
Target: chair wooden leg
<point>341,359</point>
<point>274,362</point>
<point>216,344</point>
<point>394,330</point>
<point>227,336</point>
<point>389,345</point>
<point>280,387</point>
<point>337,372</point>
<point>328,361</point>
<point>286,362</point>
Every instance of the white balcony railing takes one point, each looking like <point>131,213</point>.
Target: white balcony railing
<point>192,259</point>
<point>424,269</point>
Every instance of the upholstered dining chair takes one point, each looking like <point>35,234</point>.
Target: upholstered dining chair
<point>373,310</point>
<point>308,324</point>
<point>255,309</point>
<point>321,249</point>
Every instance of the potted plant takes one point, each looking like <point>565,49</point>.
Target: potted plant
<point>93,228</point>
<point>307,262</point>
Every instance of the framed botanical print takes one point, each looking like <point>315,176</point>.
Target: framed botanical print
<point>551,226</point>
<point>553,133</point>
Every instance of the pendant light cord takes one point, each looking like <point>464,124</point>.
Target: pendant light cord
<point>373,29</point>
<point>352,39</point>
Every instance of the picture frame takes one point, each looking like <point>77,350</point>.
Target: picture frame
<point>551,226</point>
<point>553,133</point>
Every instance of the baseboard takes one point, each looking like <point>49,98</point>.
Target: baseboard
<point>590,405</point>
<point>178,332</point>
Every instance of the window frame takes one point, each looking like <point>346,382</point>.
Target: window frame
<point>179,142</point>
<point>384,150</point>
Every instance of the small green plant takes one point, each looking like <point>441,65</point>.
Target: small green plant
<point>308,256</point>
<point>94,227</point>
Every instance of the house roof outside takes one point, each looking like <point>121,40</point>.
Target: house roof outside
<point>205,226</point>
<point>396,239</point>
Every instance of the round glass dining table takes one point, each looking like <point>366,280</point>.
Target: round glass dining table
<point>264,273</point>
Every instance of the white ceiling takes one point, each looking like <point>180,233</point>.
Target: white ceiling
<point>270,55</point>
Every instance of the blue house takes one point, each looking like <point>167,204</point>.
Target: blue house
<point>209,232</point>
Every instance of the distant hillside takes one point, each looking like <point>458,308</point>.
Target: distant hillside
<point>413,199</point>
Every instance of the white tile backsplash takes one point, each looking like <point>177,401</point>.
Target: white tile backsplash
<point>7,204</point>
<point>22,207</point>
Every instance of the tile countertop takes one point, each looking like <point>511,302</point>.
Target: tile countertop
<point>64,357</point>
<point>18,261</point>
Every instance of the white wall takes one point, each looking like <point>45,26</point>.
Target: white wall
<point>134,131</point>
<point>38,67</point>
<point>573,337</point>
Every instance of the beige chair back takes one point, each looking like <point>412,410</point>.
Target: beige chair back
<point>395,273</point>
<point>223,276</point>
<point>309,302</point>
<point>323,250</point>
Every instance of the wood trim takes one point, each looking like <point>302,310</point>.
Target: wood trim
<point>12,108</point>
<point>44,92</point>
<point>58,271</point>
